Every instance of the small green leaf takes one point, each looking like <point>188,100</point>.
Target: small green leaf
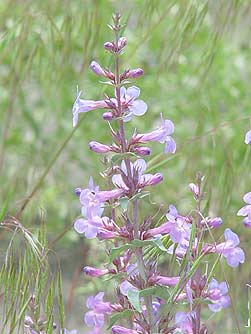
<point>120,315</point>
<point>133,296</point>
<point>114,252</point>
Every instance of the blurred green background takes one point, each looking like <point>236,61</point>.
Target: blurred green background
<point>196,58</point>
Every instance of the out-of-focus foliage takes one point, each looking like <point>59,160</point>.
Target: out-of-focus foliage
<point>196,58</point>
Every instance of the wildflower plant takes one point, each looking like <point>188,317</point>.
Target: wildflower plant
<point>147,300</point>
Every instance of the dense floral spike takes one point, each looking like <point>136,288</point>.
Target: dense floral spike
<point>113,214</point>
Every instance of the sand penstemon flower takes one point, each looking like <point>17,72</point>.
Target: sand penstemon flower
<point>135,242</point>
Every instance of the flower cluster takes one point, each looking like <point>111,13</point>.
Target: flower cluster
<point>143,290</point>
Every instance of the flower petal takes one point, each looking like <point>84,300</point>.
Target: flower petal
<point>248,138</point>
<point>81,225</point>
<point>133,92</point>
<point>247,197</point>
<point>138,107</point>
<point>170,145</point>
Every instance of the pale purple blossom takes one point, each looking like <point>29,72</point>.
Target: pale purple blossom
<point>217,293</point>
<point>95,272</point>
<point>89,226</point>
<point>96,316</point>
<point>176,226</point>
<point>246,210</point>
<point>164,280</point>
<point>233,254</point>
<point>99,148</point>
<point>248,138</point>
<point>81,106</point>
<point>137,174</point>
<point>130,103</point>
<point>184,322</point>
<point>161,135</point>
<point>212,222</point>
<point>97,69</point>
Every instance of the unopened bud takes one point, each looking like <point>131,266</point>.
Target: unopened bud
<point>78,191</point>
<point>122,43</point>
<point>109,46</point>
<point>142,151</point>
<point>95,272</point>
<point>194,189</point>
<point>98,147</point>
<point>108,116</point>
<point>97,69</point>
<point>135,73</point>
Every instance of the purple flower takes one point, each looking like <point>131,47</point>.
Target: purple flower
<point>84,106</point>
<point>135,73</point>
<point>123,330</point>
<point>130,104</point>
<point>248,138</point>
<point>163,280</point>
<point>161,135</point>
<point>217,294</point>
<point>95,272</point>
<point>184,322</point>
<point>177,226</point>
<point>96,317</point>
<point>233,254</point>
<point>140,180</point>
<point>212,222</point>
<point>89,227</point>
<point>97,69</point>
<point>99,148</point>
<point>246,210</point>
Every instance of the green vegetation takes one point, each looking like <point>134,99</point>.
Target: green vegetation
<point>196,59</point>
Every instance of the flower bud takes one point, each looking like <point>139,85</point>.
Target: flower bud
<point>142,151</point>
<point>105,235</point>
<point>135,73</point>
<point>152,180</point>
<point>78,191</point>
<point>109,46</point>
<point>98,147</point>
<point>95,272</point>
<point>194,189</point>
<point>108,116</point>
<point>122,43</point>
<point>97,69</point>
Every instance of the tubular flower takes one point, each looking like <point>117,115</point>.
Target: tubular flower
<point>217,294</point>
<point>140,180</point>
<point>233,254</point>
<point>246,210</point>
<point>96,316</point>
<point>130,104</point>
<point>81,105</point>
<point>161,135</point>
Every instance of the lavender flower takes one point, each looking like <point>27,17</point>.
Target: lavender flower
<point>95,272</point>
<point>130,104</point>
<point>95,317</point>
<point>89,227</point>
<point>176,226</point>
<point>246,210</point>
<point>161,135</point>
<point>97,69</point>
<point>184,322</point>
<point>217,294</point>
<point>140,180</point>
<point>248,138</point>
<point>233,254</point>
<point>85,106</point>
